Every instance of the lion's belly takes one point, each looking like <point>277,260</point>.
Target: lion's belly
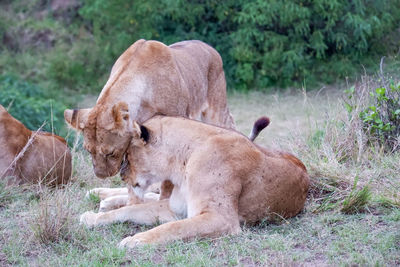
<point>177,203</point>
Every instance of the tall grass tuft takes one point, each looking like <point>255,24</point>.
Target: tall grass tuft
<point>356,201</point>
<point>53,220</point>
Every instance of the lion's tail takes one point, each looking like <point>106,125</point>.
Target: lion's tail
<point>258,126</point>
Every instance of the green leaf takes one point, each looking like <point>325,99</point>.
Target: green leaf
<point>348,107</point>
<point>381,91</point>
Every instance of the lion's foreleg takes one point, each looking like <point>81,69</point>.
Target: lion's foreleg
<point>104,193</point>
<point>204,225</point>
<point>119,201</point>
<point>113,202</point>
<point>146,213</point>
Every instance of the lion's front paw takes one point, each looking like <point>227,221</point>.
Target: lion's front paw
<point>134,241</point>
<point>93,192</point>
<point>114,202</point>
<point>105,206</point>
<point>88,218</point>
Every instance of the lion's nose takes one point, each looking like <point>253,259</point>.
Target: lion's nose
<point>100,173</point>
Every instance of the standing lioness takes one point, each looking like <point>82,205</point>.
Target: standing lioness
<point>220,179</point>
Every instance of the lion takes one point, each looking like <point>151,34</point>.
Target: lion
<point>184,79</point>
<point>220,179</point>
<point>32,156</point>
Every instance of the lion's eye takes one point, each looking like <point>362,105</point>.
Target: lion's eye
<point>111,155</point>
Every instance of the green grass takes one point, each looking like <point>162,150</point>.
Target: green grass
<point>40,226</point>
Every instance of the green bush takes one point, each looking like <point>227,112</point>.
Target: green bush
<point>30,104</point>
<point>288,41</point>
<point>382,119</point>
<point>263,43</point>
<point>379,115</point>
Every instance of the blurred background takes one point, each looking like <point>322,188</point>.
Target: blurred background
<point>57,53</point>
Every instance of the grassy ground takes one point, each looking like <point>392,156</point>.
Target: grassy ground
<point>39,227</point>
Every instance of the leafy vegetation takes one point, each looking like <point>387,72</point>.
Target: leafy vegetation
<point>262,43</point>
<point>379,113</point>
<point>30,104</point>
<point>382,119</point>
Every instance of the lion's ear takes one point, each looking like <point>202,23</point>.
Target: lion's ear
<point>120,112</point>
<point>141,134</point>
<point>77,118</point>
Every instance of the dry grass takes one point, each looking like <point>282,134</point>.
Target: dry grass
<point>53,219</point>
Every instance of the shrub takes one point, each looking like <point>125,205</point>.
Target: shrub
<point>289,41</point>
<point>382,119</point>
<point>379,113</point>
<point>262,43</point>
<point>30,104</point>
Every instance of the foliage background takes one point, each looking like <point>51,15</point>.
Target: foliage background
<point>67,48</point>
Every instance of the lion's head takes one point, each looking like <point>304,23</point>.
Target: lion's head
<point>107,132</point>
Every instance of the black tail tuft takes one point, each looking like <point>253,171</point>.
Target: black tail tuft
<point>259,125</point>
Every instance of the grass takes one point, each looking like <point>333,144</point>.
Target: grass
<point>352,215</point>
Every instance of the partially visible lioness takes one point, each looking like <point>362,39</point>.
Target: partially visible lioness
<point>183,79</point>
<point>29,156</point>
<point>220,179</point>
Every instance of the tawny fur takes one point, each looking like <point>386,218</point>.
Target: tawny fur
<point>220,178</point>
<point>183,79</point>
<point>29,156</point>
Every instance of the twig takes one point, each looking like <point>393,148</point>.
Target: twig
<point>381,74</point>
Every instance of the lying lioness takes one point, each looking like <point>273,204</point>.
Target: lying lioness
<point>31,156</point>
<point>220,179</point>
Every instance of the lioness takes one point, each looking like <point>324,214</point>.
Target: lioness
<point>183,79</point>
<point>220,179</point>
<point>32,156</point>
